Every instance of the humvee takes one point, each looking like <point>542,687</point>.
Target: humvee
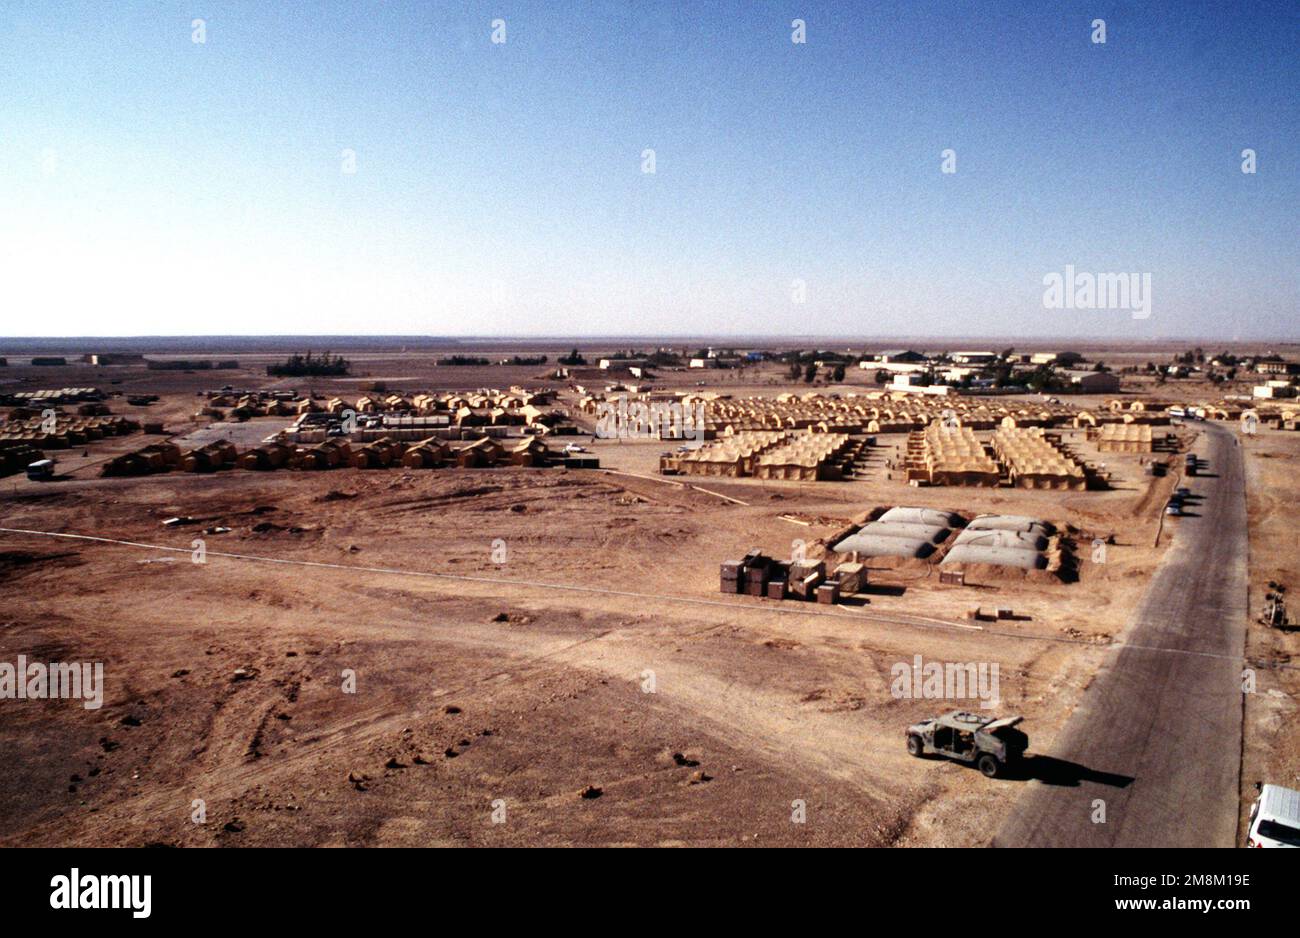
<point>991,744</point>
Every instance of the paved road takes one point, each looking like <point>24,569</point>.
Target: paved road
<point>1157,735</point>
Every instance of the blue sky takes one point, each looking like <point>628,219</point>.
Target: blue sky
<point>150,184</point>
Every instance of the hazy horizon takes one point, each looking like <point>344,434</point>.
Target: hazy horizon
<point>250,343</point>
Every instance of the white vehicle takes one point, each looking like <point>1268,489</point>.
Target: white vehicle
<point>574,448</point>
<point>1275,818</point>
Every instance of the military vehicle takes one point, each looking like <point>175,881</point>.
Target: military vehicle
<point>991,744</point>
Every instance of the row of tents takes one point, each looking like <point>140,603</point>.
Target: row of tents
<point>331,454</point>
<point>871,412</point>
<point>809,457</point>
<point>1035,460</point>
<point>891,412</point>
<point>64,430</point>
<point>1126,438</point>
<point>949,455</point>
<point>770,454</point>
<point>1027,457</point>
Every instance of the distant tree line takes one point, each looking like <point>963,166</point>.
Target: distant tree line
<point>463,360</point>
<point>310,365</point>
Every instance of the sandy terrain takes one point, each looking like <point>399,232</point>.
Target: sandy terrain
<point>774,706</point>
<point>598,655</point>
<point>1272,751</point>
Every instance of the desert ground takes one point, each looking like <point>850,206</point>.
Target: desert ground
<point>524,656</point>
<point>1272,749</point>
